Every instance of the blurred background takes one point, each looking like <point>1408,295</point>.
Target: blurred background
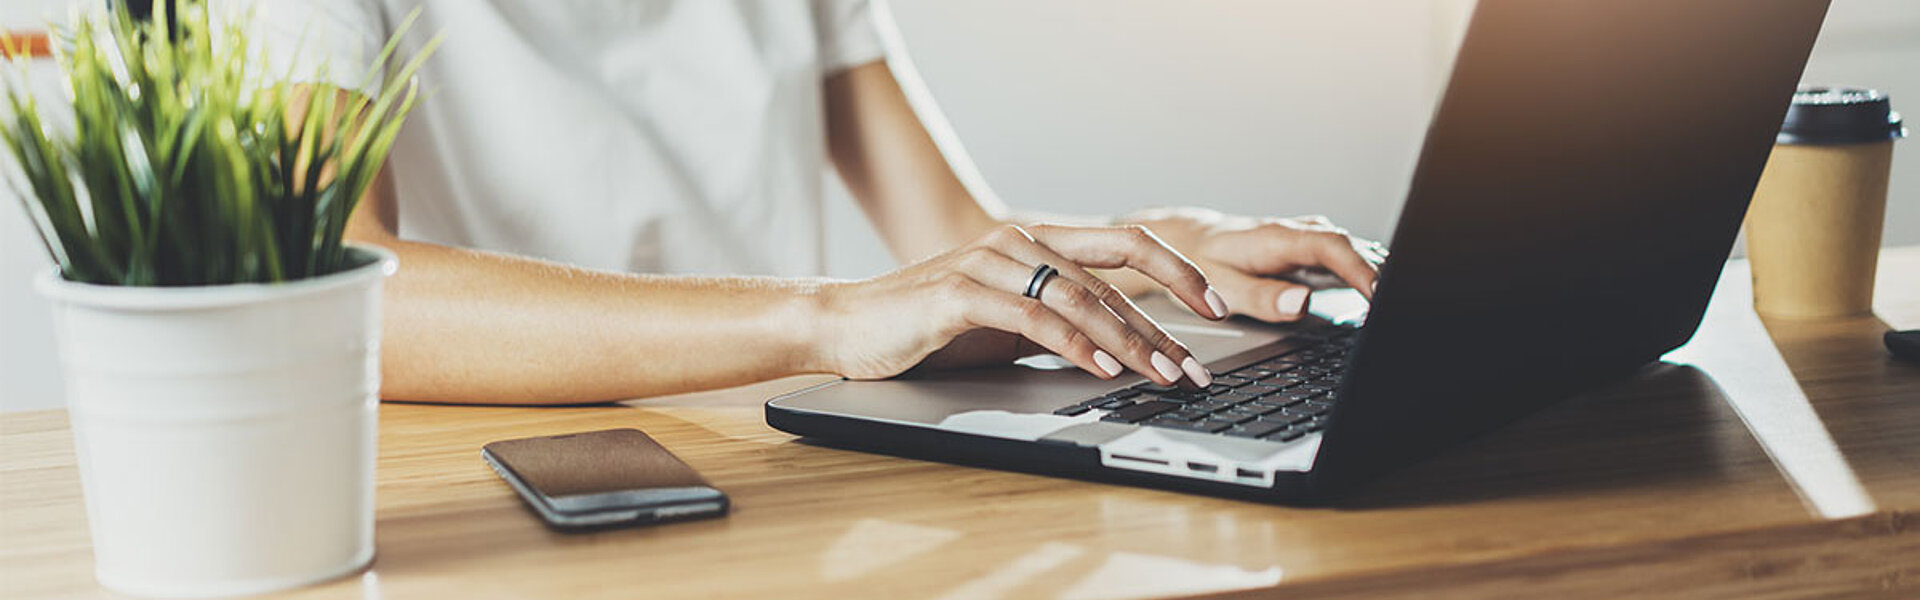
<point>1105,106</point>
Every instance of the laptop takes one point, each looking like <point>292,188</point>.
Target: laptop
<point>1577,195</point>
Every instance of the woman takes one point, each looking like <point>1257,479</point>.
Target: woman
<point>655,171</point>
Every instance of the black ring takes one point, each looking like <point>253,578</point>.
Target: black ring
<point>1040,276</point>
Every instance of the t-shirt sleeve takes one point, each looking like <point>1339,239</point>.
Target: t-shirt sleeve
<point>849,35</point>
<point>315,41</point>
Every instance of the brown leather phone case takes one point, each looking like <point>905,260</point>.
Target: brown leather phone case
<point>606,477</point>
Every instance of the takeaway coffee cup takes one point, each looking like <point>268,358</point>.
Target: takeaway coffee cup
<point>1813,231</point>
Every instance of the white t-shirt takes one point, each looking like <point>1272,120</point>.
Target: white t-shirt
<point>659,136</point>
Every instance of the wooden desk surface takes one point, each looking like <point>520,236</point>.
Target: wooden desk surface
<point>1738,471</point>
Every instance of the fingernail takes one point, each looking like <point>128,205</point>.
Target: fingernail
<point>1106,363</point>
<point>1197,373</point>
<point>1217,304</point>
<point>1166,367</point>
<point>1291,302</point>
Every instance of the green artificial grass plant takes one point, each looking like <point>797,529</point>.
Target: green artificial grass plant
<point>187,164</point>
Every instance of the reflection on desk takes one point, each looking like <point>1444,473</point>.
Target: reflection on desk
<point>1739,468</point>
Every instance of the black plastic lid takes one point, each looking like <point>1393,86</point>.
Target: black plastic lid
<point>1832,115</point>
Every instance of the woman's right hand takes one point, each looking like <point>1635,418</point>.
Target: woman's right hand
<point>966,307</point>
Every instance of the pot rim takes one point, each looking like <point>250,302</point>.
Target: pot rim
<point>165,298</point>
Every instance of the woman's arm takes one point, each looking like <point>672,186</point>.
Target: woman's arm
<point>899,177</point>
<point>476,327</point>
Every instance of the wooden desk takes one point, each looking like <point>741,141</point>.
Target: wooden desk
<point>1801,478</point>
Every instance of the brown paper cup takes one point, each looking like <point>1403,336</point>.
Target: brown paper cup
<point>1813,231</point>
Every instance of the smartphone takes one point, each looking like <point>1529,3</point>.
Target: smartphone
<point>602,479</point>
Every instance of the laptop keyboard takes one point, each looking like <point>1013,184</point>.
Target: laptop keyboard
<point>1280,398</point>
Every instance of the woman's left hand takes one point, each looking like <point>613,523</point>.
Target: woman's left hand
<point>1245,257</point>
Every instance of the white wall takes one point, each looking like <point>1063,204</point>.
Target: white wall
<point>1105,106</point>
<point>1876,43</point>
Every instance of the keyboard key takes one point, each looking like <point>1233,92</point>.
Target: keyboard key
<point>1310,409</point>
<point>1124,394</point>
<point>1233,417</point>
<point>1256,373</point>
<point>1263,388</point>
<point>1263,408</point>
<point>1209,405</point>
<point>1141,411</point>
<point>1186,396</point>
<point>1236,397</point>
<point>1231,381</point>
<point>1280,400</point>
<point>1287,435</point>
<point>1289,416</point>
<point>1240,431</point>
<point>1175,391</point>
<point>1212,425</point>
<point>1202,426</point>
<point>1247,405</point>
<point>1155,389</point>
<point>1165,420</point>
<point>1189,414</point>
<point>1072,410</point>
<point>1240,409</point>
<point>1293,396</point>
<point>1256,429</point>
<point>1114,404</point>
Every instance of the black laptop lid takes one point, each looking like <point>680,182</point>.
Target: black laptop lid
<point>1579,191</point>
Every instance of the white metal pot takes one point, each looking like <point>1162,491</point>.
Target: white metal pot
<point>226,434</point>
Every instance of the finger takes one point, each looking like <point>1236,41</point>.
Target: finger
<point>1269,300</point>
<point>1375,252</point>
<point>1135,247</point>
<point>1084,308</point>
<point>980,306</point>
<point>1030,251</point>
<point>1336,252</point>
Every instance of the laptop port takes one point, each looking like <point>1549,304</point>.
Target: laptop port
<point>1203,467</point>
<point>1155,461</point>
<point>1250,474</point>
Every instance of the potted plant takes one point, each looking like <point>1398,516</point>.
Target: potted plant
<point>219,341</point>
